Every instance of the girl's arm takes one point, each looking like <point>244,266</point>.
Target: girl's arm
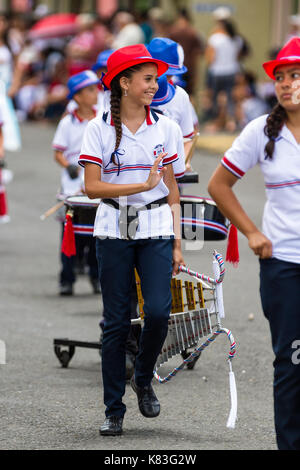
<point>220,189</point>
<point>174,203</point>
<point>95,188</point>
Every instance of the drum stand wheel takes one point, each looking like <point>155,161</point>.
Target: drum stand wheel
<point>65,349</point>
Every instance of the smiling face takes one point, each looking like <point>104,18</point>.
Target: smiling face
<point>287,86</point>
<point>141,86</point>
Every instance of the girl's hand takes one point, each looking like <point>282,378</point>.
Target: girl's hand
<point>154,176</point>
<point>260,245</point>
<point>177,260</point>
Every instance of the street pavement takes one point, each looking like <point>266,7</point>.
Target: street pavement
<point>45,406</point>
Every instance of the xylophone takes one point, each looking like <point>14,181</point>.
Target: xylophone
<point>192,318</point>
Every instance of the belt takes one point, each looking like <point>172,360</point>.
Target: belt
<point>129,217</point>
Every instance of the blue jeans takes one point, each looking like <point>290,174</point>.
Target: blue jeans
<point>279,289</point>
<point>117,259</point>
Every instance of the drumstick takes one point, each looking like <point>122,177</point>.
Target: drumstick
<point>192,149</point>
<point>52,210</point>
<point>56,207</point>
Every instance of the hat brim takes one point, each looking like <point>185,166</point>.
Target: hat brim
<point>169,97</point>
<point>272,65</point>
<point>98,66</point>
<point>162,67</point>
<point>176,71</point>
<point>92,82</point>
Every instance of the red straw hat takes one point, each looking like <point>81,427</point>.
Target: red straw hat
<point>128,56</point>
<point>289,54</point>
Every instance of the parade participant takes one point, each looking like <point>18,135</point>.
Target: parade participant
<point>99,68</point>
<point>4,217</point>
<point>272,141</point>
<point>83,88</point>
<point>11,131</point>
<point>128,154</point>
<point>179,108</point>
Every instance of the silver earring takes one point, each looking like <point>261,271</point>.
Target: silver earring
<point>125,92</point>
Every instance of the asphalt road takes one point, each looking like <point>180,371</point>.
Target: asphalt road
<point>44,406</point>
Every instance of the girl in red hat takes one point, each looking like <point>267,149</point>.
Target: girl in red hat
<point>128,152</point>
<point>273,142</point>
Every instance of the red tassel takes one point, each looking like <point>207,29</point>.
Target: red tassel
<point>3,205</point>
<point>232,254</point>
<point>68,246</point>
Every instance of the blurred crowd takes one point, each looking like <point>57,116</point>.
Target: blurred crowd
<point>36,67</point>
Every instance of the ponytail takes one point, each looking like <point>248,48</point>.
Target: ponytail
<point>275,122</point>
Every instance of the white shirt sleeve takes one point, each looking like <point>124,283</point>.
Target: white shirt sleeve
<point>179,164</point>
<point>186,122</point>
<point>60,140</point>
<point>91,148</point>
<point>174,147</point>
<point>244,153</point>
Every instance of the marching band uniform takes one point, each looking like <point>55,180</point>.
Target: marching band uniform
<point>280,273</point>
<point>68,139</point>
<point>149,247</point>
<point>179,107</point>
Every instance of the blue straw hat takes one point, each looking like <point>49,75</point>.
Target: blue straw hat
<point>170,52</point>
<point>81,80</point>
<point>102,59</point>
<point>165,92</point>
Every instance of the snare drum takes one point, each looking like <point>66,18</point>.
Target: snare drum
<point>202,213</point>
<point>84,213</point>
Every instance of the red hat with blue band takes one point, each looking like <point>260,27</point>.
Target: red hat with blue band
<point>165,92</point>
<point>288,55</point>
<point>127,57</point>
<point>81,80</point>
<point>171,52</point>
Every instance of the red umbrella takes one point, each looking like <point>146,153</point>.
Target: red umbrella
<point>58,25</point>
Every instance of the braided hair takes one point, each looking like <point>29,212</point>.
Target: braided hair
<point>115,103</point>
<point>275,122</point>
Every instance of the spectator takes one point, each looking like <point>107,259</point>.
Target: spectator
<point>248,105</point>
<point>82,49</point>
<point>159,22</point>
<point>294,27</point>
<point>126,31</point>
<point>145,25</point>
<point>193,45</point>
<point>222,55</point>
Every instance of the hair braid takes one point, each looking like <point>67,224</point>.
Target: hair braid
<point>115,106</point>
<point>115,103</point>
<point>275,121</point>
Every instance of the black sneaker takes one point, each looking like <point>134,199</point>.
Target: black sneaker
<point>129,366</point>
<point>112,426</point>
<point>96,286</point>
<point>147,400</point>
<point>66,289</point>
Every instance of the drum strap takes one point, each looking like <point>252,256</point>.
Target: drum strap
<point>129,217</point>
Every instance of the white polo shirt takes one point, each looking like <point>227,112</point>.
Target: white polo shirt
<point>281,220</point>
<point>179,109</point>
<point>136,155</point>
<point>68,139</point>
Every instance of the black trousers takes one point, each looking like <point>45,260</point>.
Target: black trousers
<point>280,289</point>
<point>117,259</point>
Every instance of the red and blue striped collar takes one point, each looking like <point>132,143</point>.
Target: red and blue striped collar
<point>151,117</point>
